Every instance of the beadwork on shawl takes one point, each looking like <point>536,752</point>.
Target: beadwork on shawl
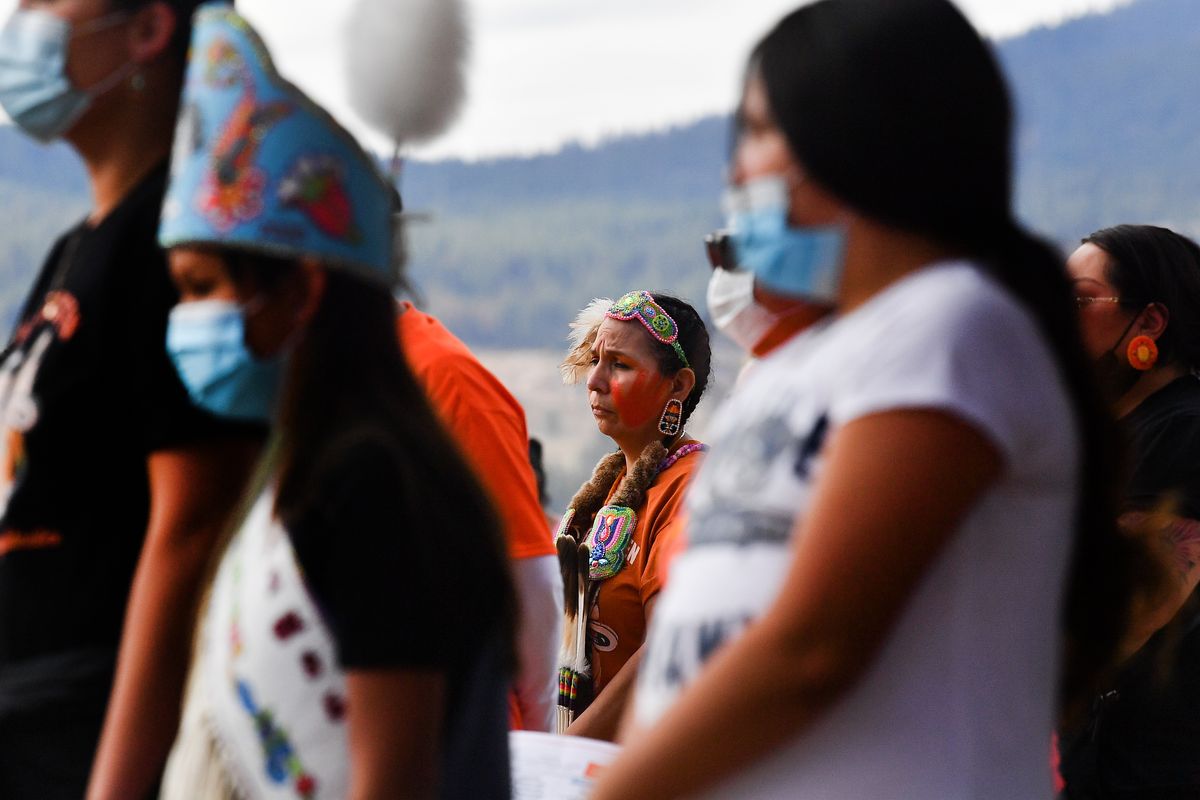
<point>281,762</point>
<point>286,756</point>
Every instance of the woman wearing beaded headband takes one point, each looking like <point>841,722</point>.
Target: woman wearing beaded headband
<point>646,362</point>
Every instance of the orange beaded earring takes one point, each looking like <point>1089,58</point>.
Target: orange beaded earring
<point>1142,353</point>
<point>668,423</point>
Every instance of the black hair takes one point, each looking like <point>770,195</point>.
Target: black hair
<point>899,108</point>
<point>539,469</point>
<point>693,338</point>
<point>348,382</point>
<point>1148,264</point>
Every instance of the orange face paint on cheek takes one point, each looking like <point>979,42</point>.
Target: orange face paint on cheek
<point>640,401</point>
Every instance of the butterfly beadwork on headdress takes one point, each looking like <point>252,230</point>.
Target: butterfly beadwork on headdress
<point>259,166</point>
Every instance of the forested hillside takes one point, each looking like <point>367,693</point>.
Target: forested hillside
<point>511,248</point>
<point>1109,131</point>
<point>1110,123</point>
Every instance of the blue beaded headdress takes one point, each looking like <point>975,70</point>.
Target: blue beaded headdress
<point>259,166</point>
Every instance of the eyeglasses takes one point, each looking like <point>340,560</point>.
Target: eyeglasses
<point>1084,302</point>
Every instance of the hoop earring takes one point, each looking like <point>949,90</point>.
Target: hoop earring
<point>1142,353</point>
<point>668,423</point>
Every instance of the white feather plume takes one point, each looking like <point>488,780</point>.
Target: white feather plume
<point>405,62</point>
<point>583,333</point>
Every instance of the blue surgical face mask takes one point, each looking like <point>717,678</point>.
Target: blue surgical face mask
<point>206,342</point>
<point>798,262</point>
<point>34,88</point>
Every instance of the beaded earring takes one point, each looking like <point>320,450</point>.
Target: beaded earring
<point>1142,353</point>
<point>668,423</point>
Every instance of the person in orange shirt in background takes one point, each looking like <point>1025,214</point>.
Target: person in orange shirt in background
<point>646,359</point>
<point>488,424</point>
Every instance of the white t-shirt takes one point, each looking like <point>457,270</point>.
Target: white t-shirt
<point>959,701</point>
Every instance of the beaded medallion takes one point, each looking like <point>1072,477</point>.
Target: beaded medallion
<point>611,533</point>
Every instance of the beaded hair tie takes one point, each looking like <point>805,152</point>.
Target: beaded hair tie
<point>640,305</point>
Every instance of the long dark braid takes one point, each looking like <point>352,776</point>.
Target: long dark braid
<point>693,338</point>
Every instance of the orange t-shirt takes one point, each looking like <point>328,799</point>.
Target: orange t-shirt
<point>486,422</point>
<point>618,620</point>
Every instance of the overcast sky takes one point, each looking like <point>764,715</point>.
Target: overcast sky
<point>542,72</point>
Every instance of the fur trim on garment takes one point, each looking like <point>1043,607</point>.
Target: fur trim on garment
<point>590,497</point>
<point>632,491</point>
<point>571,543</point>
<point>579,590</point>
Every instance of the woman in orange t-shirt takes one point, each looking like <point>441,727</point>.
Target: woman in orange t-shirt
<point>646,360</point>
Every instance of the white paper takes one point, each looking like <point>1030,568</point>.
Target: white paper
<point>547,766</point>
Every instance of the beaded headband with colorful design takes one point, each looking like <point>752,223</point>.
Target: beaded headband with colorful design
<point>640,305</point>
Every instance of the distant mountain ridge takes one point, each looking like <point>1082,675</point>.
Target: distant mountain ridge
<point>690,156</point>
<point>1109,132</point>
<point>1110,124</point>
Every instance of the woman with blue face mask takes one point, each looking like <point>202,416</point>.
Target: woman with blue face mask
<point>356,636</point>
<point>902,561</point>
<point>362,609</point>
<point>756,318</point>
<point>96,427</point>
